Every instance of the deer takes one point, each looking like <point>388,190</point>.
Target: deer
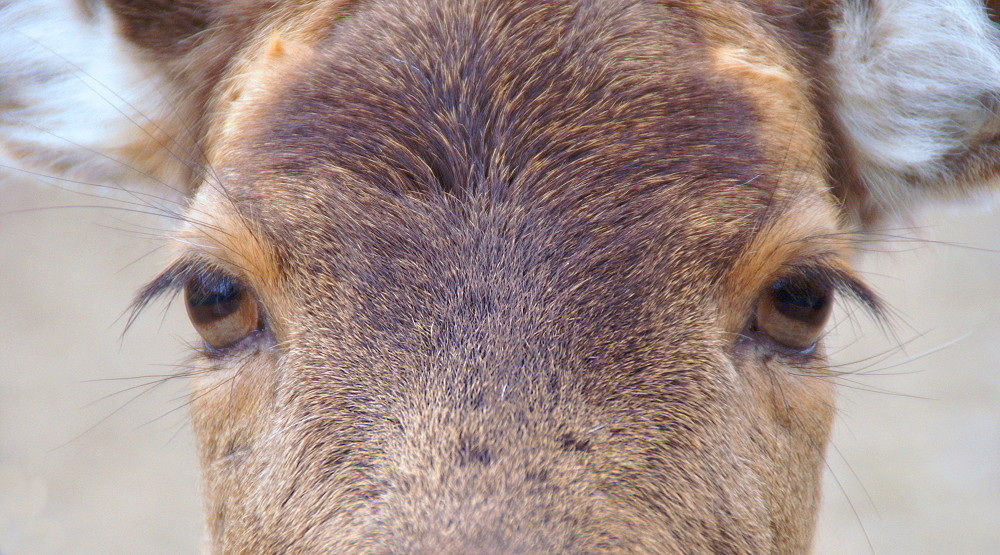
<point>508,276</point>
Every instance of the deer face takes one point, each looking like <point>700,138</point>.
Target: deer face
<point>524,277</point>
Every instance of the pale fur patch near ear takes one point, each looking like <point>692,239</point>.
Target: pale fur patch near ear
<point>71,103</point>
<point>916,90</point>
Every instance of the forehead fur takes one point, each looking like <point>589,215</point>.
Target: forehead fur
<point>604,101</point>
<point>595,148</point>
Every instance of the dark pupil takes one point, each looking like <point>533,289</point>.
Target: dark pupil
<point>212,298</point>
<point>797,302</point>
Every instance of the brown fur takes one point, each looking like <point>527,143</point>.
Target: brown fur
<point>508,254</point>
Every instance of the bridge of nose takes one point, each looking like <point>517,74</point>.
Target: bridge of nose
<point>504,433</point>
<point>492,437</point>
<point>490,476</point>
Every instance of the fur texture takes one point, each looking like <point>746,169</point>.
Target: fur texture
<point>71,99</point>
<point>917,89</point>
<point>508,257</point>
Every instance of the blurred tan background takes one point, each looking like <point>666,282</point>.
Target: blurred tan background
<point>89,465</point>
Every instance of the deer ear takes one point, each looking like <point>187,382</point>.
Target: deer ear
<point>68,100</point>
<point>110,93</point>
<point>915,90</point>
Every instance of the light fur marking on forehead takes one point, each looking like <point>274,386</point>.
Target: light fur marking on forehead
<point>788,126</point>
<point>252,81</point>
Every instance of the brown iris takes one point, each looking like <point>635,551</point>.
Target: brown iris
<point>221,309</point>
<point>794,313</point>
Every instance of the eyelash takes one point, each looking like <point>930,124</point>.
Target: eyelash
<point>171,282</point>
<point>822,277</point>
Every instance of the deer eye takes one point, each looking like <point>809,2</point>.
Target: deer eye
<point>221,309</point>
<point>794,313</point>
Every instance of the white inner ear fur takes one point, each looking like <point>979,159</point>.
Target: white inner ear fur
<point>914,81</point>
<point>71,101</point>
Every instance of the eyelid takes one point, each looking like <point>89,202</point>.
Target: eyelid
<point>172,280</point>
<point>823,275</point>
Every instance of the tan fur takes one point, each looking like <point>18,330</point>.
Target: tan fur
<point>508,256</point>
<point>806,231</point>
